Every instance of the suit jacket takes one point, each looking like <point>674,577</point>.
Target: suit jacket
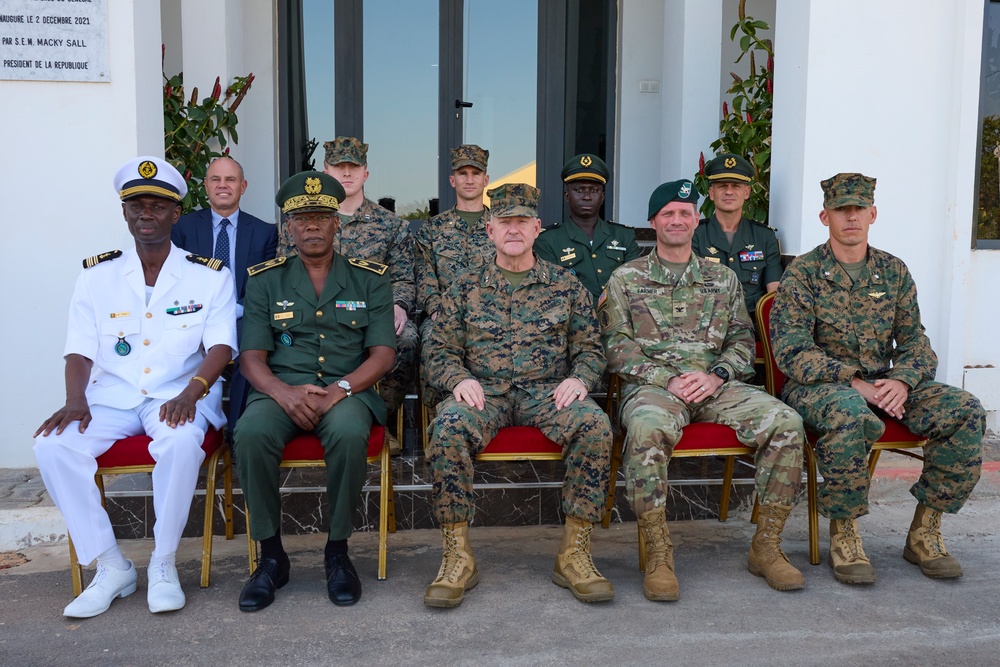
<point>256,241</point>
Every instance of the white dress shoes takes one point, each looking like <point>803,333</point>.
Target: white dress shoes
<point>164,592</point>
<point>109,583</point>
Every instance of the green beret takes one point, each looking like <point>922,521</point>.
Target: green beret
<point>346,149</point>
<point>729,167</point>
<point>585,167</point>
<point>682,190</point>
<point>511,199</point>
<point>469,155</point>
<point>310,191</point>
<point>848,190</point>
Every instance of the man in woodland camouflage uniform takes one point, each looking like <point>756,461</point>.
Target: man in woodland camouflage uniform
<point>517,347</point>
<point>368,231</point>
<point>847,333</point>
<point>676,330</point>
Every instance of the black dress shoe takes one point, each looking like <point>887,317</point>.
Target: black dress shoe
<point>258,592</point>
<point>342,582</point>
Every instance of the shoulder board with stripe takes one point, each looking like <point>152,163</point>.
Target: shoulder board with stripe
<point>210,262</point>
<point>103,257</point>
<point>264,266</point>
<point>763,224</point>
<point>374,267</point>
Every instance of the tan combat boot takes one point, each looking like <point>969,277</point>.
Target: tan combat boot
<point>847,556</point>
<point>458,571</point>
<point>574,568</point>
<point>925,546</point>
<point>660,582</point>
<point>766,558</point>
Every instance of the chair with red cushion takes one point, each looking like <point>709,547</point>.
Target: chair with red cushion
<point>897,438</point>
<point>306,451</point>
<point>131,455</point>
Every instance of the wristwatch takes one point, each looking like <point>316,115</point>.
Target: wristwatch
<point>345,385</point>
<point>722,373</point>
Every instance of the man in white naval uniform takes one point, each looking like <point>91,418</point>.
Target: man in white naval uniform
<point>150,331</point>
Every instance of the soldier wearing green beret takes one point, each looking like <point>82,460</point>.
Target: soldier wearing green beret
<point>518,345</point>
<point>727,237</point>
<point>676,330</point>
<point>317,335</point>
<point>847,334</point>
<point>585,244</point>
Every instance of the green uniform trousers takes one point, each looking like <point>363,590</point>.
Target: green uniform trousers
<point>461,431</point>
<point>260,437</point>
<point>951,419</point>
<point>654,418</point>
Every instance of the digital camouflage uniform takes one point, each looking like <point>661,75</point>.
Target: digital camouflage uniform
<point>827,330</point>
<point>376,234</point>
<point>655,328</point>
<point>520,344</point>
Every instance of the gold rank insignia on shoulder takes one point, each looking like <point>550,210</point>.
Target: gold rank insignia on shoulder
<point>210,262</point>
<point>103,257</point>
<point>374,267</point>
<point>264,266</point>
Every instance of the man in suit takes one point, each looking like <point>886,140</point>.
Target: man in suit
<point>232,236</point>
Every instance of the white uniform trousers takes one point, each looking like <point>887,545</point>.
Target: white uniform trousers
<point>68,463</point>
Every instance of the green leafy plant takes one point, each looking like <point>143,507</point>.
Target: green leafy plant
<point>745,128</point>
<point>989,180</point>
<point>195,133</point>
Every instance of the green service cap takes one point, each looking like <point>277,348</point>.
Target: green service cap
<point>848,190</point>
<point>682,190</point>
<point>511,199</point>
<point>587,167</point>
<point>310,191</point>
<point>729,167</point>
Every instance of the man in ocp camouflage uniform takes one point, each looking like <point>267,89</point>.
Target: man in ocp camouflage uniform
<point>676,330</point>
<point>368,231</point>
<point>517,347</point>
<point>846,331</point>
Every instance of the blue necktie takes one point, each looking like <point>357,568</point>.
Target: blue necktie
<point>222,243</point>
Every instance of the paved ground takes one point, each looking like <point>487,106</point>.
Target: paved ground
<point>517,617</point>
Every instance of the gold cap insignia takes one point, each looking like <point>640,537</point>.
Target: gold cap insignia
<point>147,169</point>
<point>313,186</point>
<point>730,162</point>
<point>586,161</point>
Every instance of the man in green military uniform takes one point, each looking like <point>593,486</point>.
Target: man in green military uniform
<point>453,246</point>
<point>846,332</point>
<point>369,231</point>
<point>727,237</point>
<point>676,330</point>
<point>517,347</point>
<point>317,336</point>
<point>585,244</point>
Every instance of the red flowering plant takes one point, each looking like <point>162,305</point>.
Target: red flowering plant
<point>745,127</point>
<point>195,133</point>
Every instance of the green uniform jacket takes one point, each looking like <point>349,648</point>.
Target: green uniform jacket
<point>824,328</point>
<point>568,246</point>
<point>532,337</point>
<point>449,251</point>
<point>318,341</point>
<point>755,252</point>
<point>654,329</point>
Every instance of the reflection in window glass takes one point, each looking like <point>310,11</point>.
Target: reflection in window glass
<point>317,28</point>
<point>988,222</point>
<point>400,101</point>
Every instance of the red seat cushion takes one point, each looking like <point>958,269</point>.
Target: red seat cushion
<point>521,440</point>
<point>134,450</point>
<point>896,432</point>
<point>705,435</point>
<point>759,349</point>
<point>307,447</point>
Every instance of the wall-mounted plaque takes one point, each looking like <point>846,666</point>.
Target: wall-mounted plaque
<point>54,40</point>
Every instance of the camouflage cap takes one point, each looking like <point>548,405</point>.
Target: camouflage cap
<point>511,199</point>
<point>469,155</point>
<point>346,149</point>
<point>682,190</point>
<point>310,191</point>
<point>729,167</point>
<point>585,167</point>
<point>848,190</point>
